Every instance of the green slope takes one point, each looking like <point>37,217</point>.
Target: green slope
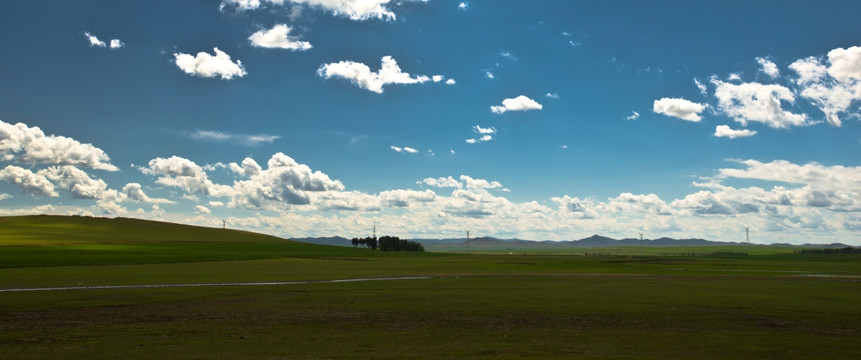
<point>42,240</point>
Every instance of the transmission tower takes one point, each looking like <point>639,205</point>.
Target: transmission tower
<point>224,224</point>
<point>641,239</point>
<point>747,234</point>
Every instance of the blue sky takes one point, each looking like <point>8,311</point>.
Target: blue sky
<point>540,120</point>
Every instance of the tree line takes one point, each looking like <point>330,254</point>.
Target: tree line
<point>388,243</point>
<point>846,250</point>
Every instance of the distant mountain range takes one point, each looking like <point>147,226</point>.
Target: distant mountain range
<point>593,241</point>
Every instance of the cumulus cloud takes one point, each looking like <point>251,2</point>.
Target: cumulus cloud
<point>208,66</point>
<point>29,182</point>
<point>362,76</point>
<point>450,82</point>
<point>24,144</point>
<point>488,74</point>
<point>679,108</point>
<point>116,44</point>
<point>446,182</point>
<point>520,103</point>
<point>284,182</point>
<point>768,67</point>
<point>726,131</point>
<point>405,149</point>
<point>200,209</point>
<point>634,116</point>
<point>278,37</point>
<point>463,6</point>
<point>353,9</point>
<point>243,139</point>
<point>757,102</point>
<point>75,181</point>
<point>134,191</point>
<point>185,174</point>
<point>834,84</point>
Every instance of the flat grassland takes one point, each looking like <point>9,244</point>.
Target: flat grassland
<point>769,304</point>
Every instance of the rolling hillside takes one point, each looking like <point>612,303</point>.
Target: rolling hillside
<point>43,240</point>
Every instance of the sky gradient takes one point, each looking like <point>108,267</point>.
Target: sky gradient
<point>542,120</point>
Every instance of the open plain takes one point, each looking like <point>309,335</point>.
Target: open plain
<point>274,299</point>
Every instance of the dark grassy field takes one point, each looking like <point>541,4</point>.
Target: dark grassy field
<point>647,306</point>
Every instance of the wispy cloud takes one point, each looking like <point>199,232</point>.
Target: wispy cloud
<point>242,139</point>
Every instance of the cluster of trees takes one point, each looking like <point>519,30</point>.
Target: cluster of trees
<point>388,243</point>
<point>393,243</point>
<point>368,242</point>
<point>846,250</point>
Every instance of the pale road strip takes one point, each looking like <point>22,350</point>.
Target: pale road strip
<point>263,283</point>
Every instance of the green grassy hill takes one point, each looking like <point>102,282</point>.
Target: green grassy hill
<point>43,240</point>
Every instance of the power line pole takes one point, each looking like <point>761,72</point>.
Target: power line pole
<point>224,224</point>
<point>467,241</point>
<point>641,239</point>
<point>375,231</point>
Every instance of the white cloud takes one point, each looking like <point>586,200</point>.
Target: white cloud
<point>463,6</point>
<point>734,77</point>
<point>576,44</point>
<point>479,183</point>
<point>757,102</point>
<point>94,41</point>
<point>726,131</point>
<point>832,86</point>
<point>680,108</point>
<point>278,37</point>
<point>552,95</point>
<point>200,209</point>
<point>520,103</point>
<point>488,74</point>
<point>75,181</point>
<point>29,145</point>
<point>446,182</point>
<point>768,67</point>
<point>205,65</point>
<point>702,87</point>
<point>185,174</point>
<point>406,149</point>
<point>485,134</point>
<point>352,9</point>
<point>362,76</point>
<point>437,78</point>
<point>116,44</point>
<point>450,82</point>
<point>481,130</point>
<point>634,116</point>
<point>242,4</point>
<point>134,191</point>
<point>284,182</point>
<point>29,182</point>
<point>244,139</point>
